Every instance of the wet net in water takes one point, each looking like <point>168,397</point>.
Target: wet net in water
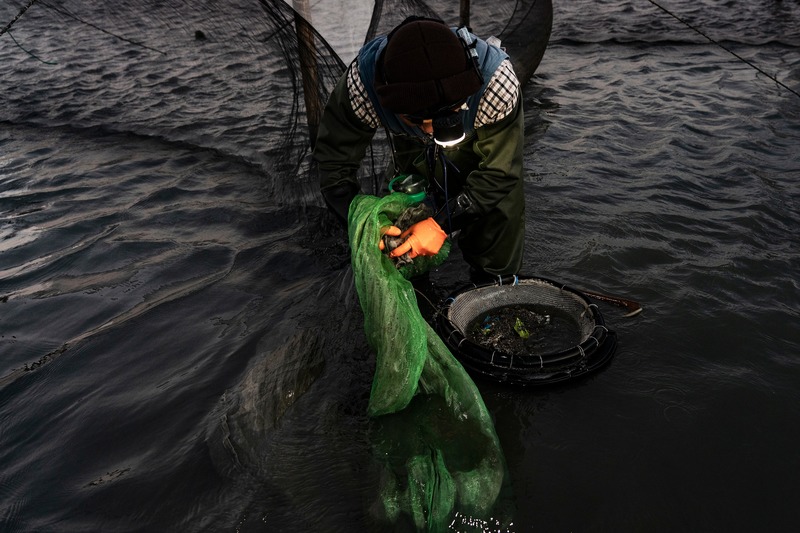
<point>248,80</point>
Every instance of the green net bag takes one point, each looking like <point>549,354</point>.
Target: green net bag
<point>433,431</point>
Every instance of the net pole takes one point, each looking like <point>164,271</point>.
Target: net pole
<point>463,13</point>
<point>308,66</point>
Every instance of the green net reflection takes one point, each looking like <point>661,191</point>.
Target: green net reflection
<point>432,430</point>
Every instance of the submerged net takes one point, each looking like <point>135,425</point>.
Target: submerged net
<point>248,79</point>
<point>434,431</point>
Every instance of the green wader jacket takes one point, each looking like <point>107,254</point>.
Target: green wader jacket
<point>489,170</point>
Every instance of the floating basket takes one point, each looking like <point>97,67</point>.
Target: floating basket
<point>587,347</point>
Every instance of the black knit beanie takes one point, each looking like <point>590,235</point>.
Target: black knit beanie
<point>424,68</point>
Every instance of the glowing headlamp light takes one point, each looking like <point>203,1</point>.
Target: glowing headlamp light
<point>448,130</point>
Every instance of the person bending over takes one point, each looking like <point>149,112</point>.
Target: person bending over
<point>452,109</point>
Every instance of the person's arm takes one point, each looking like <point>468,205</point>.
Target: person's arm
<point>500,137</point>
<point>341,144</point>
<point>498,143</point>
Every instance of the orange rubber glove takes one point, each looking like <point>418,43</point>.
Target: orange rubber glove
<point>392,231</point>
<point>424,238</point>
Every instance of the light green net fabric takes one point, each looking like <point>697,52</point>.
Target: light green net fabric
<point>432,430</point>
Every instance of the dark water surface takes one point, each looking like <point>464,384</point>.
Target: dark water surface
<point>181,347</point>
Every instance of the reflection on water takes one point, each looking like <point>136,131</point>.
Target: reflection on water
<point>182,347</point>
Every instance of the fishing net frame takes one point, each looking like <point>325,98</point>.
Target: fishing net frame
<point>595,349</point>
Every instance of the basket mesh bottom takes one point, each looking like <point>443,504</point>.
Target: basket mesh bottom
<point>470,305</point>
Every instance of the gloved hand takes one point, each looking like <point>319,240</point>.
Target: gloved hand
<point>423,238</point>
<point>392,231</point>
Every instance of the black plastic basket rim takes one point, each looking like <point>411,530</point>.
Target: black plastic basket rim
<point>594,350</point>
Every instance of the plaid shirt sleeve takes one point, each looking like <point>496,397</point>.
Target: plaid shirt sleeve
<point>359,100</point>
<point>498,101</point>
<point>501,96</point>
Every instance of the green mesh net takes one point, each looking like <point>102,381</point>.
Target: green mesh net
<point>432,430</point>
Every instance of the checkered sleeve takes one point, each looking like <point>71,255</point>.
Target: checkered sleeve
<point>359,100</point>
<point>500,97</point>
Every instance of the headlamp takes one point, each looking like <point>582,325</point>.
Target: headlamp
<point>448,130</point>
